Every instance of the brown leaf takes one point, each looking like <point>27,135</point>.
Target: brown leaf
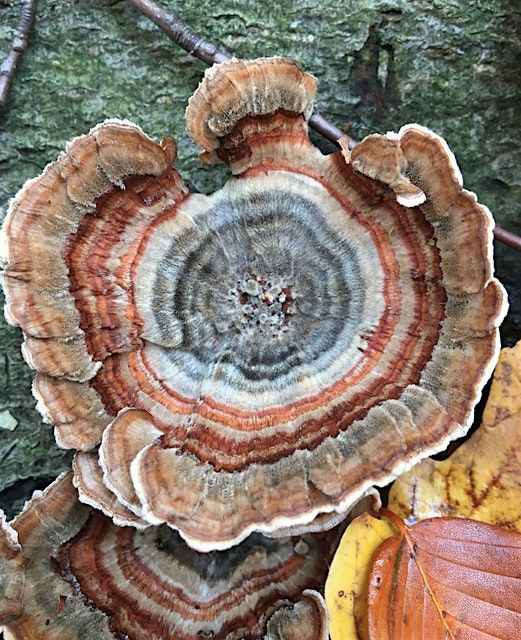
<point>446,579</point>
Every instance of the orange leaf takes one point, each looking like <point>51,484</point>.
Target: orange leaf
<point>446,579</point>
<point>346,585</point>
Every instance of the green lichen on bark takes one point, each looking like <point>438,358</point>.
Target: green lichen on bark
<point>447,64</point>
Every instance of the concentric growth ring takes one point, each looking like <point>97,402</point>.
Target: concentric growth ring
<point>258,358</point>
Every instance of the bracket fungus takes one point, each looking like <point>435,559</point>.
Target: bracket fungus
<point>82,576</point>
<point>258,358</point>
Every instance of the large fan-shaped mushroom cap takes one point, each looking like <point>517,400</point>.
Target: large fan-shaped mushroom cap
<point>75,574</point>
<point>260,357</point>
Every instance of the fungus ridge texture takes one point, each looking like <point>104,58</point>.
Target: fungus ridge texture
<point>257,358</point>
<point>84,577</point>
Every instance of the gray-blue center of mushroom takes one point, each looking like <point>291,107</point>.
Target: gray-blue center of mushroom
<point>262,284</point>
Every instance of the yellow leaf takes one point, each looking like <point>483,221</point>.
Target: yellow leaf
<point>346,585</point>
<point>481,480</point>
<point>505,394</point>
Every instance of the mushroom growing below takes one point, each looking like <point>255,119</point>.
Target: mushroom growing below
<point>84,577</point>
<point>257,359</point>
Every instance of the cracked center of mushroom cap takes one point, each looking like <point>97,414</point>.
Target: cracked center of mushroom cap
<point>262,287</point>
<point>261,305</point>
<point>262,283</point>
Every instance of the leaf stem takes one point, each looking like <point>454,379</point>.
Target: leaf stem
<point>395,520</point>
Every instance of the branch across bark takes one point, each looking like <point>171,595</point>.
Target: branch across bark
<point>185,37</point>
<point>21,37</point>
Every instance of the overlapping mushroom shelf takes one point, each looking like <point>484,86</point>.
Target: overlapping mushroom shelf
<point>74,574</point>
<point>255,358</point>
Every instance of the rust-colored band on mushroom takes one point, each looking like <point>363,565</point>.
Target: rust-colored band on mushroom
<point>256,359</point>
<point>88,578</point>
<point>248,91</point>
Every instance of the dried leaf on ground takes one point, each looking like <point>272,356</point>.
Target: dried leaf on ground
<point>346,585</point>
<point>446,578</point>
<point>419,588</point>
<point>482,478</point>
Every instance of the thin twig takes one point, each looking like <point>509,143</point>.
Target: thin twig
<point>185,37</point>
<point>328,130</point>
<point>21,36</point>
<point>181,33</point>
<point>507,237</point>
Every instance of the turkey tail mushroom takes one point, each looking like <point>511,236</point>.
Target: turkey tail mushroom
<point>74,574</point>
<point>257,359</point>
<point>242,100</point>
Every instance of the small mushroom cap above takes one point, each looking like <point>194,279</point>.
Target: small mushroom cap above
<point>88,578</point>
<point>232,91</point>
<point>381,158</point>
<point>256,359</point>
